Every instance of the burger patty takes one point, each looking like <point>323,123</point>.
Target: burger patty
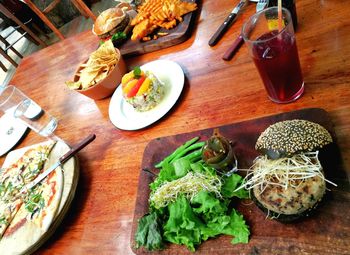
<point>295,199</point>
<point>119,28</point>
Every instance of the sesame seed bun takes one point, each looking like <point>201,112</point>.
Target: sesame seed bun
<point>289,137</point>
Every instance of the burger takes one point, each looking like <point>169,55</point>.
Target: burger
<point>114,23</point>
<point>287,180</point>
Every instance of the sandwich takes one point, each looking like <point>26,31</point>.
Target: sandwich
<point>114,23</point>
<point>287,181</point>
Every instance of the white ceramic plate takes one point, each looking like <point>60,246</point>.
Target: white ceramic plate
<point>125,117</point>
<point>11,131</point>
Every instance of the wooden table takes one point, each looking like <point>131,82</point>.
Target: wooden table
<point>216,93</point>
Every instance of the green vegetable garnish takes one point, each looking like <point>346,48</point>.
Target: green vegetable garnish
<point>218,153</point>
<point>148,233</point>
<point>118,35</point>
<point>137,72</point>
<point>190,202</point>
<point>2,188</point>
<point>180,151</point>
<point>231,183</point>
<point>3,220</point>
<point>189,186</point>
<point>35,201</point>
<point>183,226</point>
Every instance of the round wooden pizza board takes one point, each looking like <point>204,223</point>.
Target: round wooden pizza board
<point>70,172</point>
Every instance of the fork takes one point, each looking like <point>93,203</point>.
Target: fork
<point>260,5</point>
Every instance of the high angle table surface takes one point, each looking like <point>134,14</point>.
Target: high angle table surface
<point>216,93</point>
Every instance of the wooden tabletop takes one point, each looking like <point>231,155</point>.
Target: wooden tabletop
<point>216,93</point>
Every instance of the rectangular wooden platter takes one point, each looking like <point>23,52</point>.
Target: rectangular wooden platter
<point>325,232</point>
<point>176,35</point>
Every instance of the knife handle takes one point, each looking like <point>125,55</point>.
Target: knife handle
<point>233,48</point>
<point>77,148</point>
<point>222,29</point>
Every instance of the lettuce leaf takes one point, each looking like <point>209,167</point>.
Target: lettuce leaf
<point>237,228</point>
<point>188,222</point>
<point>148,232</point>
<point>183,226</point>
<point>218,220</point>
<point>213,212</point>
<point>167,173</point>
<point>181,167</point>
<point>208,205</point>
<point>206,216</point>
<point>231,183</point>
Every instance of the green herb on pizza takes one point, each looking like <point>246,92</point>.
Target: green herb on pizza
<point>191,201</point>
<point>3,220</point>
<point>35,202</point>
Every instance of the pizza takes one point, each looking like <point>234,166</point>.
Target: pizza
<point>25,217</point>
<point>14,177</point>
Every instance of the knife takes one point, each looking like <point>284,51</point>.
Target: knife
<point>233,48</point>
<point>239,41</point>
<point>227,23</point>
<point>60,161</point>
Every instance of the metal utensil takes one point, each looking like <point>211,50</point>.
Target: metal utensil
<point>60,161</point>
<point>261,4</point>
<point>227,23</point>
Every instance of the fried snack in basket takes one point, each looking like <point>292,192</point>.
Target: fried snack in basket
<point>153,14</point>
<point>100,63</point>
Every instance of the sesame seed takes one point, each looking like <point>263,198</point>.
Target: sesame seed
<point>292,136</point>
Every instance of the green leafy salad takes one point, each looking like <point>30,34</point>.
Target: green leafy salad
<point>191,201</point>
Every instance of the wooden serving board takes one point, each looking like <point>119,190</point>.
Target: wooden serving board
<point>325,232</point>
<point>177,35</point>
<point>70,180</point>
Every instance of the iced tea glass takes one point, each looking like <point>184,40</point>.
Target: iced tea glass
<point>275,54</point>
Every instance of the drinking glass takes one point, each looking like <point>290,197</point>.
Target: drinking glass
<point>29,112</point>
<point>274,52</point>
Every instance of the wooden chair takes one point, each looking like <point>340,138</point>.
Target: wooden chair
<point>79,4</point>
<point>23,26</point>
<point>4,53</point>
<point>23,30</point>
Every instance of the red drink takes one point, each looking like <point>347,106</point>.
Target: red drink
<point>276,58</point>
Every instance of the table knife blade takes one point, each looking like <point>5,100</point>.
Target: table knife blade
<point>60,161</point>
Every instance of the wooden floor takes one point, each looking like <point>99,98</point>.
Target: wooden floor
<point>25,47</point>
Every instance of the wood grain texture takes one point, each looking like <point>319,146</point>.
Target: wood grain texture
<point>216,93</point>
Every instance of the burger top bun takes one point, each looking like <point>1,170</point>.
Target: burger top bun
<point>124,6</point>
<point>108,20</point>
<point>288,137</point>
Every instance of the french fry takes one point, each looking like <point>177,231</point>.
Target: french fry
<point>153,14</point>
